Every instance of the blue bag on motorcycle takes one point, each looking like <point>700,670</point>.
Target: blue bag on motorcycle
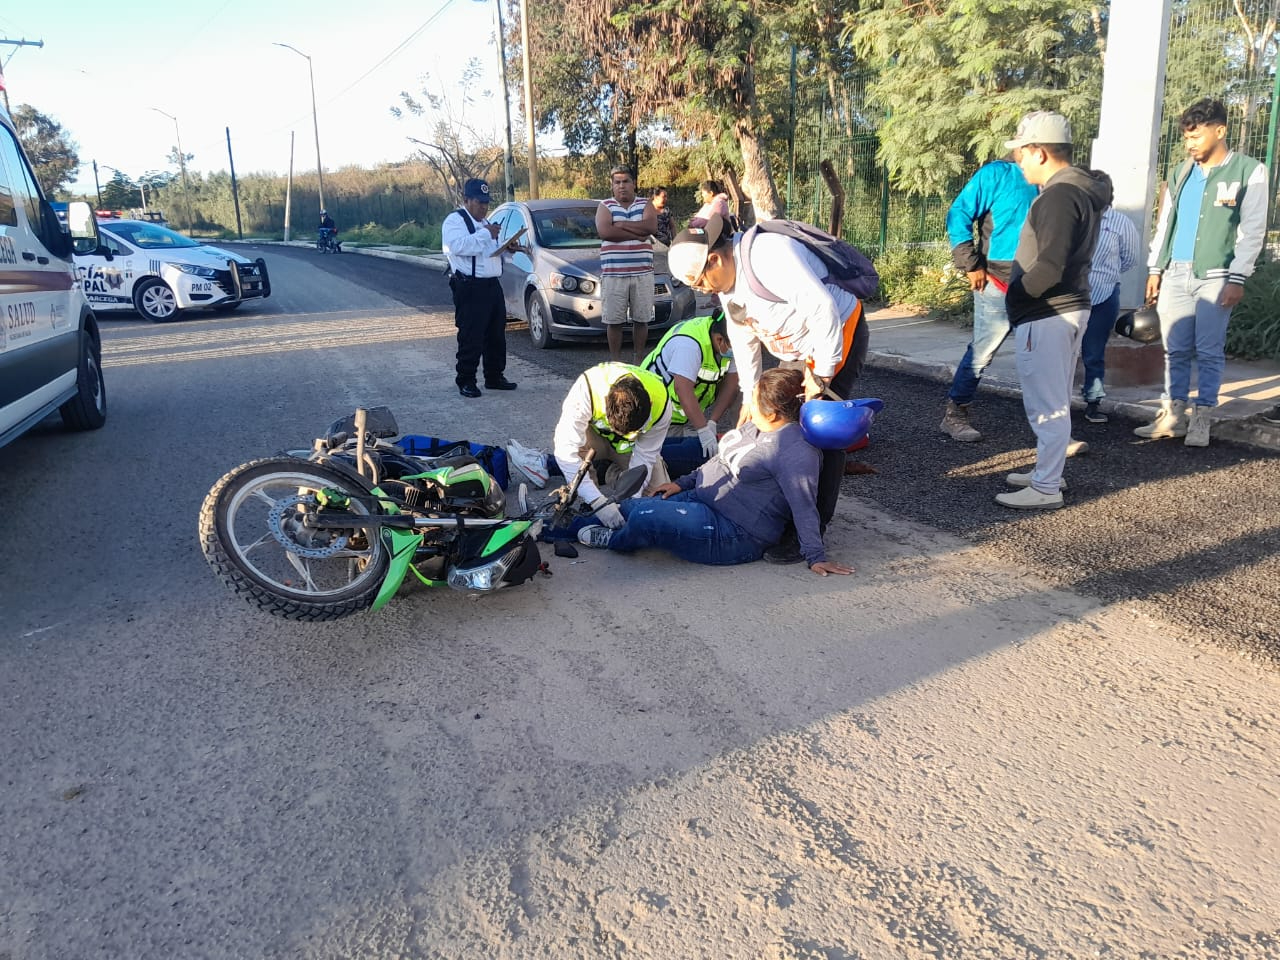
<point>493,459</point>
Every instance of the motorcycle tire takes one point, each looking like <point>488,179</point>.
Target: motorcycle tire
<point>252,535</point>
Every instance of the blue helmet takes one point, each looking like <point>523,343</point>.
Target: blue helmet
<point>837,424</point>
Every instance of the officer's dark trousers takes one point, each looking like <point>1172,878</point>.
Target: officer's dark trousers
<point>481,318</point>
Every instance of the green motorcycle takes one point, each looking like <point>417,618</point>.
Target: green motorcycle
<point>325,533</point>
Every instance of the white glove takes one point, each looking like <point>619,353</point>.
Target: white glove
<point>608,513</point>
<point>707,436</point>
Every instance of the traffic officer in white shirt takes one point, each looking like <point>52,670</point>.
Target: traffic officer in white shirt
<point>811,322</point>
<point>480,313</point>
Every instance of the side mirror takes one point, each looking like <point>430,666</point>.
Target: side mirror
<point>83,227</point>
<point>629,484</point>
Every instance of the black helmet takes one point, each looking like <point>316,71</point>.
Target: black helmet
<point>1142,325</point>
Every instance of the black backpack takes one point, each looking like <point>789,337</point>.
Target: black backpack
<point>847,267</point>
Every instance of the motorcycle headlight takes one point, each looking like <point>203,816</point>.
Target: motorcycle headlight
<point>196,271</point>
<point>485,577</point>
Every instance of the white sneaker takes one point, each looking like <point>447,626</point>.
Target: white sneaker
<point>1198,427</point>
<point>1076,447</point>
<point>1171,421</point>
<point>1029,498</point>
<point>1024,480</point>
<point>596,535</point>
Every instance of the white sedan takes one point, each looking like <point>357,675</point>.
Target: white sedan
<point>159,272</point>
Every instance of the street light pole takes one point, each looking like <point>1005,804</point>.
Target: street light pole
<point>96,186</point>
<point>182,165</point>
<point>315,121</point>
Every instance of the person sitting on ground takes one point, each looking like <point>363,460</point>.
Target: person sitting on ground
<point>694,361</point>
<point>622,413</point>
<point>740,501</point>
<point>714,200</point>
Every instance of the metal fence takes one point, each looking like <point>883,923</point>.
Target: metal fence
<point>1215,50</point>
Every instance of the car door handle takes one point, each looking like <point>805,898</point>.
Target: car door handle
<point>28,255</point>
<point>42,259</point>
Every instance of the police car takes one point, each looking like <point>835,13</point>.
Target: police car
<point>145,266</point>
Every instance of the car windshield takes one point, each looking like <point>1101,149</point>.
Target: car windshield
<point>563,227</point>
<point>150,236</point>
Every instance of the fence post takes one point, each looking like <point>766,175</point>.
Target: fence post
<point>1271,158</point>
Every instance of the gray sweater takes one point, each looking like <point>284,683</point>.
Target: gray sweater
<point>759,480</point>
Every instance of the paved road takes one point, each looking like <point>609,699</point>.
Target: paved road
<point>1190,535</point>
<point>942,756</point>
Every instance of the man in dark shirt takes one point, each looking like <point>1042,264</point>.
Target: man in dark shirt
<point>1048,297</point>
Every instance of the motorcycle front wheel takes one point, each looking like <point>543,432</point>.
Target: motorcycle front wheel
<point>254,534</point>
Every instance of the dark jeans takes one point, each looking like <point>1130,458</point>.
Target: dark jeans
<point>682,455</point>
<point>686,527</point>
<point>480,314</point>
<point>1093,348</point>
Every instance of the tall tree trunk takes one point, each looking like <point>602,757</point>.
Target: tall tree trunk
<point>757,178</point>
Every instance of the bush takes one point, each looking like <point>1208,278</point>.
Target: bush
<point>923,276</point>
<point>1254,333</point>
<point>406,235</point>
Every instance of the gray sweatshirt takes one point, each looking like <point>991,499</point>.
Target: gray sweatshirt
<point>759,480</point>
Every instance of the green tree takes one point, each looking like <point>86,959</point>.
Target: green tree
<point>53,154</point>
<point>120,192</point>
<point>956,75</point>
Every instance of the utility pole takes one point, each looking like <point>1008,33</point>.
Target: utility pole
<point>97,188</point>
<point>182,165</point>
<point>288,190</point>
<point>4,88</point>
<point>528,100</point>
<point>235,190</point>
<point>506,100</point>
<point>315,122</point>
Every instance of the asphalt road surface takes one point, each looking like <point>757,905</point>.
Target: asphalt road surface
<point>945,755</point>
<point>1193,535</point>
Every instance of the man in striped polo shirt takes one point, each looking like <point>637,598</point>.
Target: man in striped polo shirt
<point>625,224</point>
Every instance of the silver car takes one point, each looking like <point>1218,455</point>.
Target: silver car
<point>555,286</point>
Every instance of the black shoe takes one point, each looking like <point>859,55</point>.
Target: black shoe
<point>1272,415</point>
<point>785,552</point>
<point>1093,413</point>
<point>502,383</point>
<point>469,390</point>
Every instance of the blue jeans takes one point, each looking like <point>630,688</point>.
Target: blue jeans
<point>1093,348</point>
<point>686,527</point>
<point>682,455</point>
<point>990,329</point>
<point>1193,327</point>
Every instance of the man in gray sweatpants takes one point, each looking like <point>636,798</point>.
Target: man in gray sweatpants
<point>1048,297</point>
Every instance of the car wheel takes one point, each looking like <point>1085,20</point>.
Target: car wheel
<point>539,315</point>
<point>87,410</point>
<point>155,301</point>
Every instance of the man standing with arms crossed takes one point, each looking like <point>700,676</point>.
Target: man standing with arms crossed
<point>1048,298</point>
<point>625,224</point>
<point>1213,218</point>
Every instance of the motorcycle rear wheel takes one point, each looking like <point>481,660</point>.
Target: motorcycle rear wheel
<point>252,535</point>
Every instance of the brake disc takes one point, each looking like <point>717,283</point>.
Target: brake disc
<point>286,538</point>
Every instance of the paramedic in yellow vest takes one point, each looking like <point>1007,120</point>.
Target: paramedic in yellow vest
<point>695,362</point>
<point>622,413</point>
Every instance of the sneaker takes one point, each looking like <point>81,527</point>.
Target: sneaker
<point>1024,480</point>
<point>469,390</point>
<point>596,535</point>
<point>786,552</point>
<point>1198,427</point>
<point>1272,415</point>
<point>1030,498</point>
<point>1093,412</point>
<point>501,383</point>
<point>956,425</point>
<point>1076,447</point>
<point>1171,421</point>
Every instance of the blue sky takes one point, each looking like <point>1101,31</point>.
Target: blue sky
<point>212,65</point>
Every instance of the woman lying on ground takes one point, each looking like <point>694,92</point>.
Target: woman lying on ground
<point>737,503</point>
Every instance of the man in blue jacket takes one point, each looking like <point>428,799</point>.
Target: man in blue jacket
<point>992,205</point>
